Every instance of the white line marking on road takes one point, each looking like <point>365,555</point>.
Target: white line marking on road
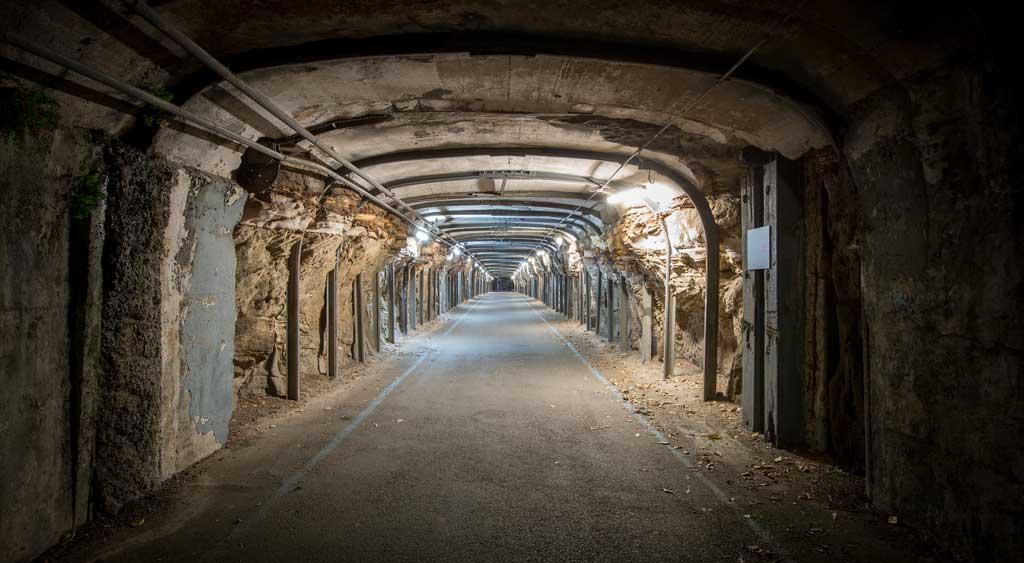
<point>291,482</point>
<point>722,497</point>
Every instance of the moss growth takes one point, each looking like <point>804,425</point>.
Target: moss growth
<point>86,196</point>
<point>153,117</point>
<point>25,111</point>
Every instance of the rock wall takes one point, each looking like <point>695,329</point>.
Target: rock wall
<point>834,351</point>
<point>937,161</point>
<point>336,228</point>
<point>638,246</point>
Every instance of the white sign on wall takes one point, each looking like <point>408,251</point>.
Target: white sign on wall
<point>759,251</point>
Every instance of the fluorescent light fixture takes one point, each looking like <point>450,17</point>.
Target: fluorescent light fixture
<point>422,236</point>
<point>436,218</point>
<point>630,196</point>
<point>540,253</point>
<point>456,251</point>
<point>558,241</point>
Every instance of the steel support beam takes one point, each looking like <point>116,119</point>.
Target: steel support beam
<point>391,303</point>
<point>292,319</point>
<point>331,304</point>
<point>623,315</point>
<point>375,319</point>
<point>358,316</point>
<point>700,202</point>
<point>646,324</point>
<point>752,392</point>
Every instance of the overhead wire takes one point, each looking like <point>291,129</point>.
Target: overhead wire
<point>685,110</point>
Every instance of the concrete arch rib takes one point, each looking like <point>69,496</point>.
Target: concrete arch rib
<point>711,233</point>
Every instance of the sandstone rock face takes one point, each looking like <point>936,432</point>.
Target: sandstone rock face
<point>638,246</point>
<point>334,229</point>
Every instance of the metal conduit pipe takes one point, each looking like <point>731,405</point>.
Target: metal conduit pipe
<point>263,101</point>
<point>207,59</point>
<point>159,103</point>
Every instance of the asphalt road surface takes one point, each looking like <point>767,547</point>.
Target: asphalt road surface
<point>494,441</point>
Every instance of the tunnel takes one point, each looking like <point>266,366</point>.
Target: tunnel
<point>470,280</point>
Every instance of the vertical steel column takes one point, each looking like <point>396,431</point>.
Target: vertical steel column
<point>669,355</point>
<point>292,319</point>
<point>411,302</point>
<point>391,302</point>
<point>567,297</point>
<point>376,312</point>
<point>624,315</point>
<point>587,281</point>
<point>611,310</point>
<point>752,394</point>
<point>420,317</point>
<point>784,304</point>
<point>331,304</point>
<point>403,305</point>
<point>359,312</point>
<point>646,324</point>
<point>600,302</point>
<point>581,293</point>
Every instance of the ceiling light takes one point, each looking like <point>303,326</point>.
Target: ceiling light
<point>631,196</point>
<point>422,236</point>
<point>436,218</point>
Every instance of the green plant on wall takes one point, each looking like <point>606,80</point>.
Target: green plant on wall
<point>86,195</point>
<point>25,111</point>
<point>153,117</point>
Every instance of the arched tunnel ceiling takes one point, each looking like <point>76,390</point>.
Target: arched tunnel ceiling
<point>457,100</point>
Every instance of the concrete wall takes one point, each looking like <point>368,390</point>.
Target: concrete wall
<point>118,332</point>
<point>198,312</point>
<point>937,165</point>
<point>36,457</point>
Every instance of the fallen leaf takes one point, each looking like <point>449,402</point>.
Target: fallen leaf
<point>137,523</point>
<point>669,491</point>
<point>714,437</point>
<point>894,520</point>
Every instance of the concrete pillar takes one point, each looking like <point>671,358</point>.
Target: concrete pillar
<point>292,319</point>
<point>784,304</point>
<point>600,302</point>
<point>403,303</point>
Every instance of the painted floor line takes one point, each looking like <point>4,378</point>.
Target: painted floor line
<point>722,497</point>
<point>291,482</point>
